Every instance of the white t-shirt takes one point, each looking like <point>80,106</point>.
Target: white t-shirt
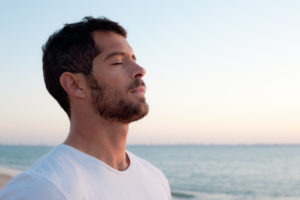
<point>66,173</point>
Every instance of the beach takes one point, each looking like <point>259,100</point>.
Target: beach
<point>6,174</point>
<point>4,179</point>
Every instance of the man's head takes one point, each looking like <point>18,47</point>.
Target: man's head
<point>95,49</point>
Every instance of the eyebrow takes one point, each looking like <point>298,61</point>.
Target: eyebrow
<point>117,54</point>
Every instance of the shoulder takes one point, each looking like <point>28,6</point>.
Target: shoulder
<point>140,162</point>
<point>56,172</point>
<point>150,169</point>
<point>25,185</point>
<point>58,163</point>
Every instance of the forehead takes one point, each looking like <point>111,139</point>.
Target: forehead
<point>109,42</point>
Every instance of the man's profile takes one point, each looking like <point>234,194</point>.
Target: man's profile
<point>91,71</point>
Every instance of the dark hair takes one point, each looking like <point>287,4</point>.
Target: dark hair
<point>72,49</point>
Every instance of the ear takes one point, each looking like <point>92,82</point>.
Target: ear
<point>74,84</point>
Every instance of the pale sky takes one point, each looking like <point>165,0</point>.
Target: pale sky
<point>218,72</point>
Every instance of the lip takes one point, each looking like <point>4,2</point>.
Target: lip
<point>140,89</point>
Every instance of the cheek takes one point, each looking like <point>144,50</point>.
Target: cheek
<point>117,80</point>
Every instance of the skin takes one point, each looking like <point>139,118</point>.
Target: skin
<point>104,139</point>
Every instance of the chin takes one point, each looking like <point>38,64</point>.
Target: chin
<point>143,113</point>
<point>140,113</point>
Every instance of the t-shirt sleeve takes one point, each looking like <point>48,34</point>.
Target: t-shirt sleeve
<point>27,187</point>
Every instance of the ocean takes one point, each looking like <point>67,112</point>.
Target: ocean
<point>206,172</point>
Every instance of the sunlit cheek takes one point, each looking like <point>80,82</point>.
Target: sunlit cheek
<point>118,80</point>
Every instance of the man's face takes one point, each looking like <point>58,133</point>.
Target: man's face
<point>116,84</point>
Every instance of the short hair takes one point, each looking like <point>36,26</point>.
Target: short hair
<point>73,49</point>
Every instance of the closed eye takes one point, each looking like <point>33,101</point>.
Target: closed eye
<point>117,63</point>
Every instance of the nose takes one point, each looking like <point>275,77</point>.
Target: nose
<point>138,72</point>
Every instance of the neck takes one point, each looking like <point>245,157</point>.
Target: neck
<point>102,139</point>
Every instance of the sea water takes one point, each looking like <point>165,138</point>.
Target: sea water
<point>206,172</point>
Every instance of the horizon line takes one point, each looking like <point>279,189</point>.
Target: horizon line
<point>173,144</point>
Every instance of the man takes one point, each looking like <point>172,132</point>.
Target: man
<point>91,70</point>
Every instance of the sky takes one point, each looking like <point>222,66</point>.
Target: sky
<point>218,72</point>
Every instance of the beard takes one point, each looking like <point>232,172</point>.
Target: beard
<point>112,105</point>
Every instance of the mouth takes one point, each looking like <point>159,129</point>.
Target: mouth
<point>139,90</point>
